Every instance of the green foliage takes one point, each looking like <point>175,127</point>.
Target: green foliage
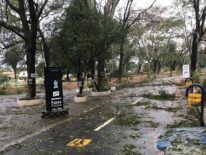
<point>105,88</point>
<point>158,48</point>
<point>115,73</point>
<point>80,95</point>
<point>83,35</point>
<point>13,56</point>
<point>3,79</point>
<point>127,119</point>
<point>176,142</point>
<point>40,69</point>
<point>2,91</point>
<point>125,84</point>
<point>162,96</point>
<point>201,59</point>
<point>90,85</point>
<point>129,149</point>
<point>196,77</point>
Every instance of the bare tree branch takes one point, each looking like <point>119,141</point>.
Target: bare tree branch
<point>139,15</point>
<point>202,30</point>
<point>42,8</point>
<point>127,12</point>
<point>12,6</point>
<point>14,29</point>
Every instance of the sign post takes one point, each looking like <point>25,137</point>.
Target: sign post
<point>54,93</point>
<point>186,71</point>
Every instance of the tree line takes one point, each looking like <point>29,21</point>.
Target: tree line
<point>82,36</point>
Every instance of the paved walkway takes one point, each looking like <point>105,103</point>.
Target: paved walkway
<point>123,123</point>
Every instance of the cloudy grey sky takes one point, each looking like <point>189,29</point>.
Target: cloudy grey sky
<point>141,3</point>
<point>146,3</point>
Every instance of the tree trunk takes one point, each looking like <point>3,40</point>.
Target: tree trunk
<point>155,68</point>
<point>93,69</point>
<point>149,69</point>
<point>93,74</point>
<point>101,74</point>
<point>15,76</point>
<point>68,75</point>
<point>79,66</point>
<point>111,6</point>
<point>31,81</point>
<point>121,59</point>
<point>139,68</point>
<point>159,67</point>
<point>171,69</point>
<point>194,53</point>
<point>79,77</point>
<point>46,49</point>
<point>30,44</point>
<point>80,82</point>
<point>91,4</point>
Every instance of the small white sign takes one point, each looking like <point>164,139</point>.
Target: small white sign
<point>33,75</point>
<point>186,71</point>
<point>55,93</point>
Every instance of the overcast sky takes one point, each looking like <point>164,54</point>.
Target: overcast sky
<point>146,3</point>
<point>141,3</point>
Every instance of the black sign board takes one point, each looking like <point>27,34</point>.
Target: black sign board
<point>53,88</point>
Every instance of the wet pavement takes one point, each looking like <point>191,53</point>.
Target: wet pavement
<point>138,123</point>
<point>183,141</point>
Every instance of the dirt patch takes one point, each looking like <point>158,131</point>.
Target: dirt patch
<point>12,91</point>
<point>69,85</point>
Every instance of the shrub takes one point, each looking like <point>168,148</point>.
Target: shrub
<point>196,77</point>
<point>80,95</point>
<point>2,91</point>
<point>115,73</point>
<point>3,79</point>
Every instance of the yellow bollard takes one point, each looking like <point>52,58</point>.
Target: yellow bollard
<point>194,99</point>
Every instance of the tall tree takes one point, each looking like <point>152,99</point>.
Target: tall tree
<point>198,10</point>
<point>155,38</point>
<point>86,35</point>
<point>127,19</point>
<point>108,37</point>
<point>22,18</point>
<point>52,13</point>
<point>199,30</point>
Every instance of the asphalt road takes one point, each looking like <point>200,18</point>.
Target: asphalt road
<point>54,141</point>
<point>114,126</point>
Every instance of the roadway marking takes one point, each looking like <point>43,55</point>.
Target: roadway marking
<point>104,124</point>
<point>78,142</point>
<point>135,102</point>
<point>22,139</point>
<point>111,119</point>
